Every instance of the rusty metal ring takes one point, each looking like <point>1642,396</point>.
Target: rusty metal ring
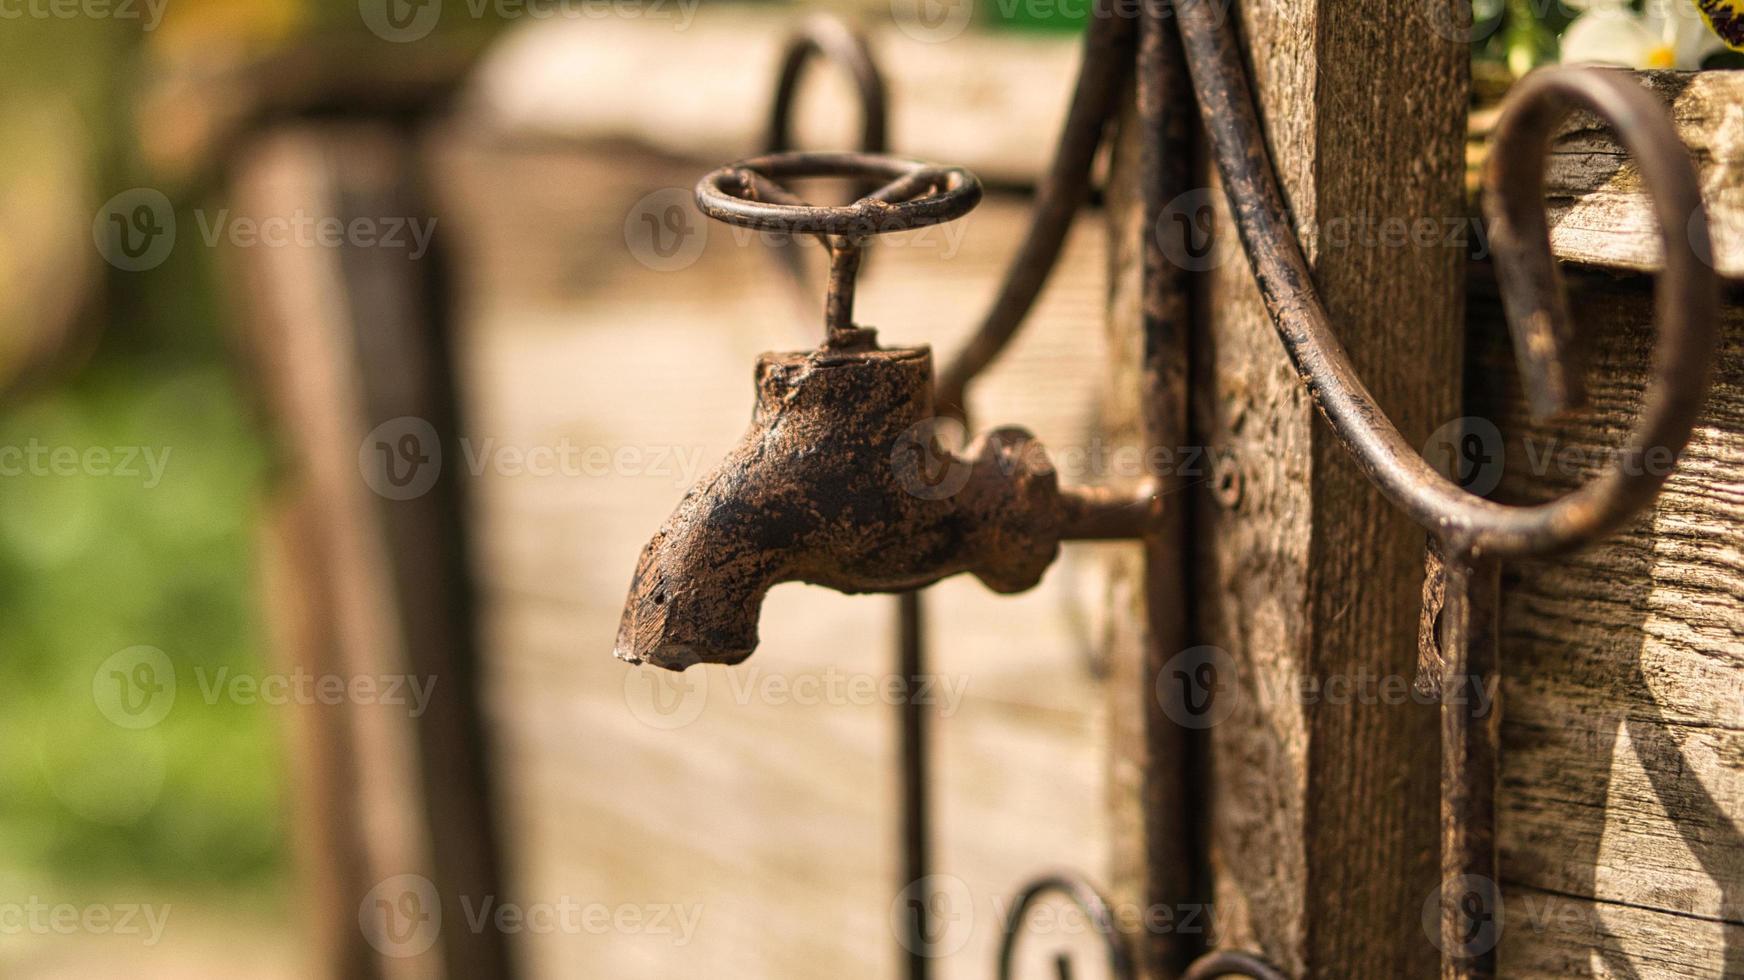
<point>915,194</point>
<point>1687,301</point>
<point>1232,963</point>
<point>835,40</point>
<point>1089,901</point>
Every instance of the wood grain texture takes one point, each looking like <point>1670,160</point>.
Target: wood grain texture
<point>1622,804</point>
<point>1323,822</point>
<point>1599,213</point>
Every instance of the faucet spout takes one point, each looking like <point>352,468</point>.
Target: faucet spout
<point>840,481</point>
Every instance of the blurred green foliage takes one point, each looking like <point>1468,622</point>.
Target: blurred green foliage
<point>94,562</point>
<point>91,564</point>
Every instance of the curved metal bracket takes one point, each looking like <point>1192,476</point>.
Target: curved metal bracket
<point>1089,901</point>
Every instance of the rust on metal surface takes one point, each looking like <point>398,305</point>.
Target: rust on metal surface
<point>840,482</point>
<point>842,479</point>
<point>913,195</point>
<point>1232,963</point>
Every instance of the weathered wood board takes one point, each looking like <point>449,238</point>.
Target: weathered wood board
<point>367,582</point>
<point>1600,214</point>
<point>1622,806</point>
<point>989,103</point>
<point>1322,810</point>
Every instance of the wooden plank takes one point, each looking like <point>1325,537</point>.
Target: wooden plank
<point>1582,938</point>
<point>1323,824</point>
<point>348,348</point>
<point>589,81</point>
<point>1599,213</point>
<point>1623,668</point>
<point>330,852</point>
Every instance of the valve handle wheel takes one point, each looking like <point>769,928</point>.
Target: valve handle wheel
<point>914,194</point>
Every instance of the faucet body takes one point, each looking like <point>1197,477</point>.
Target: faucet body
<point>841,482</point>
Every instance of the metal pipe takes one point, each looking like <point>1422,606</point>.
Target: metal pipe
<point>916,842</point>
<point>1109,513</point>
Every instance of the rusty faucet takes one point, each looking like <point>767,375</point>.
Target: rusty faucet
<point>842,479</point>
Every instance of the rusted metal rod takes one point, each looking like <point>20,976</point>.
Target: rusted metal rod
<point>1106,65</point>
<point>1471,714</point>
<point>912,724</point>
<point>1169,754</point>
<point>1109,513</point>
<point>1232,963</point>
<point>1089,901</point>
<point>1102,70</point>
<point>839,301</point>
<point>844,45</point>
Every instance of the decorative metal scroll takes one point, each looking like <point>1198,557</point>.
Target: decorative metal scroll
<point>1096,911</point>
<point>1116,959</point>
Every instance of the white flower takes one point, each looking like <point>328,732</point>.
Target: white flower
<point>1666,34</point>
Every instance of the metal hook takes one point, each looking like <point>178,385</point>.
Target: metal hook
<point>1089,901</point>
<point>844,44</point>
<point>1232,963</point>
<point>835,40</point>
